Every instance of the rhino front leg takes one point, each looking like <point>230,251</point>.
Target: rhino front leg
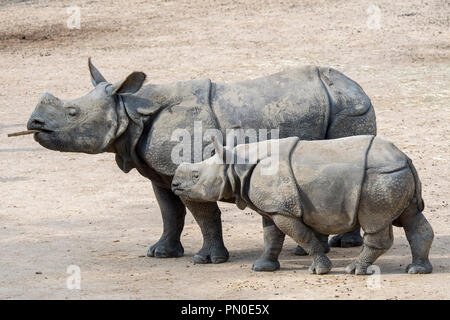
<point>173,213</point>
<point>305,237</point>
<point>273,243</point>
<point>207,215</point>
<point>323,238</point>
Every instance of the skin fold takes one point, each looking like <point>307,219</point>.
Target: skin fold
<point>136,122</point>
<point>320,187</point>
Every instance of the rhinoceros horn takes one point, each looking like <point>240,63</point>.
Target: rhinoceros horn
<point>129,85</point>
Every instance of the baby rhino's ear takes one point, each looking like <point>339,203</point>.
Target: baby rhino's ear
<point>225,154</point>
<point>218,148</point>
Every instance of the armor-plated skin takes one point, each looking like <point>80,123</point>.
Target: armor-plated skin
<point>320,187</point>
<point>136,123</point>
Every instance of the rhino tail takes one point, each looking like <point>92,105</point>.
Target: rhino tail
<point>418,192</point>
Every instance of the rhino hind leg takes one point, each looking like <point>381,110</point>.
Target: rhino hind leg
<point>273,243</point>
<point>307,239</point>
<point>347,240</point>
<point>375,244</point>
<point>420,236</point>
<point>173,213</point>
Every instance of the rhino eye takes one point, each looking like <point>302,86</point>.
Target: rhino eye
<point>72,111</point>
<point>195,176</point>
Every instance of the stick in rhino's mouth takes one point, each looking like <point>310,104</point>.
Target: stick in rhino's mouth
<point>22,133</point>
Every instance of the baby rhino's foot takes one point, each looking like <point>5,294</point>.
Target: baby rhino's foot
<point>358,268</point>
<point>423,266</point>
<point>321,265</point>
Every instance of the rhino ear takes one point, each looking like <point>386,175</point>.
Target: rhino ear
<point>130,85</point>
<point>218,148</point>
<point>225,154</point>
<point>96,76</point>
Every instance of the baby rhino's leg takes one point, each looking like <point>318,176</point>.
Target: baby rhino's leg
<point>375,244</point>
<point>420,236</point>
<point>273,243</point>
<point>306,238</point>
<point>322,238</point>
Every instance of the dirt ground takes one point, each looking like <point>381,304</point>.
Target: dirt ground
<point>58,209</point>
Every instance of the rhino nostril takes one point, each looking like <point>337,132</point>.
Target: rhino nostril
<point>175,184</point>
<point>36,123</point>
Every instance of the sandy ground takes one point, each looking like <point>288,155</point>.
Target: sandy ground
<point>58,210</point>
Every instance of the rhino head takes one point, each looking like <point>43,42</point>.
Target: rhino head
<point>87,124</point>
<point>206,180</point>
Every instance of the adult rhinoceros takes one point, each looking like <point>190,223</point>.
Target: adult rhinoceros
<point>136,123</point>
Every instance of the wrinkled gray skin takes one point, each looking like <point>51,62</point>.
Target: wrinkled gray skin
<point>136,123</point>
<point>385,188</point>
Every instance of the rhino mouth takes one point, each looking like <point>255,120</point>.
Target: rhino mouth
<point>36,125</point>
<point>44,136</point>
<point>178,191</point>
<point>41,130</point>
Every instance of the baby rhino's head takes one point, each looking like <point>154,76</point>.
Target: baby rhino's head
<point>202,181</point>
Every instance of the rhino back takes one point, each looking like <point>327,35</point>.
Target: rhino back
<point>384,157</point>
<point>295,101</point>
<point>330,174</point>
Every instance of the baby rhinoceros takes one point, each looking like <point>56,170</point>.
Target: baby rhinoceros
<point>314,188</point>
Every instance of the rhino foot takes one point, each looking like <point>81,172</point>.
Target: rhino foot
<point>266,265</point>
<point>358,268</point>
<point>212,255</point>
<point>346,240</point>
<point>320,265</point>
<point>163,249</point>
<point>419,267</point>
